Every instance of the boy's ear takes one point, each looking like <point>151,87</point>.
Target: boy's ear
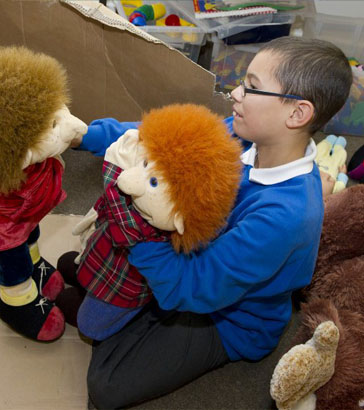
<point>178,223</point>
<point>301,114</point>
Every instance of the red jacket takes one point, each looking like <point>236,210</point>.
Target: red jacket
<point>22,210</point>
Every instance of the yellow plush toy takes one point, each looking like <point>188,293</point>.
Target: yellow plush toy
<point>331,158</point>
<point>304,369</point>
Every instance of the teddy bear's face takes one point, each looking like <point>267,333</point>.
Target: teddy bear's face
<point>64,129</point>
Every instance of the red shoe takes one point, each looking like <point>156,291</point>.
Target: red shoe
<point>49,281</point>
<point>39,320</point>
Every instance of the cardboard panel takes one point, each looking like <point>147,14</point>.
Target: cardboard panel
<point>113,71</point>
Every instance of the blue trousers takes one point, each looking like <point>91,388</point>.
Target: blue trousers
<point>16,265</point>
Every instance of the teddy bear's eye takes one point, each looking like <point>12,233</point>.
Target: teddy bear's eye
<point>145,163</point>
<point>54,123</point>
<point>153,182</point>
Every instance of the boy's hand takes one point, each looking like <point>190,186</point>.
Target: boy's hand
<point>343,169</point>
<point>328,183</point>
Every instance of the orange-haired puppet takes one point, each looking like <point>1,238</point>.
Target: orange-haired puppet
<point>35,127</point>
<point>175,178</point>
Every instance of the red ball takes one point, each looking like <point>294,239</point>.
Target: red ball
<point>172,20</point>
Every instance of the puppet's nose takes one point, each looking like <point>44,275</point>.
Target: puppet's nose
<point>132,181</point>
<point>76,128</point>
<point>80,126</point>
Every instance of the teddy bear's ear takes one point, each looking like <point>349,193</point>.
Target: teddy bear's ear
<point>178,223</point>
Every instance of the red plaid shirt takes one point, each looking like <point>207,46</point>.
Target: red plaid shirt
<point>104,268</point>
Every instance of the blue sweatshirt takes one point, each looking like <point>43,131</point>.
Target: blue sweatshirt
<point>245,278</point>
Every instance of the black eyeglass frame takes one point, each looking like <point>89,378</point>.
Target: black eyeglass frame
<point>246,90</point>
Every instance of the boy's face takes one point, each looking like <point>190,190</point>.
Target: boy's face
<point>260,118</point>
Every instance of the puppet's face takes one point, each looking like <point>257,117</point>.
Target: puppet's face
<point>149,193</point>
<point>64,128</point>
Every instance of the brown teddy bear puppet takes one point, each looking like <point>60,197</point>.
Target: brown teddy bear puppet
<point>336,294</point>
<point>35,128</point>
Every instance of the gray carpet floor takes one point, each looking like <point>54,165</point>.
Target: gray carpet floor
<point>237,386</point>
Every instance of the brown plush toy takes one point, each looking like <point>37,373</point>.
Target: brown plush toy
<point>336,294</point>
<point>35,128</point>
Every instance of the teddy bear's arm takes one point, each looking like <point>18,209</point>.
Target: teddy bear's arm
<point>292,373</point>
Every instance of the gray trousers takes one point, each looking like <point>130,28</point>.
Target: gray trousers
<point>154,354</point>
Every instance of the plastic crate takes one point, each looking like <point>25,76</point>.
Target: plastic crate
<point>228,26</point>
<point>229,63</point>
<point>347,8</point>
<point>186,39</point>
<point>345,32</point>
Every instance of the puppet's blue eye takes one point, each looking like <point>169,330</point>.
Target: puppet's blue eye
<point>153,182</point>
<point>145,163</point>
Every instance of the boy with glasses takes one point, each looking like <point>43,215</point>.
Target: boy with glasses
<point>232,300</point>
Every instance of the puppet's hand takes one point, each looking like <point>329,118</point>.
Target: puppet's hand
<point>126,151</point>
<point>84,229</point>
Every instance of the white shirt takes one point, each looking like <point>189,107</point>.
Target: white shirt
<point>269,176</point>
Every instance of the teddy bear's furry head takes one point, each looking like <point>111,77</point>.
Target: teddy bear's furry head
<point>33,86</point>
<point>345,210</point>
<point>195,154</point>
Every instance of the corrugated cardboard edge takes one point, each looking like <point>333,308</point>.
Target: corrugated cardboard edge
<point>104,15</point>
<point>113,71</point>
<point>97,11</point>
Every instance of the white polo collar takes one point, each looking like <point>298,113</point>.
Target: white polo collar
<point>275,175</point>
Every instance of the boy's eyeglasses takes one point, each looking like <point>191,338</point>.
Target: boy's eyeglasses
<point>245,91</point>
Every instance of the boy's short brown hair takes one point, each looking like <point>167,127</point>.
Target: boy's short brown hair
<point>316,70</point>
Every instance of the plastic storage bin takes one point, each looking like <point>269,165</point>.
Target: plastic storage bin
<point>228,26</point>
<point>347,8</point>
<point>228,29</point>
<point>229,63</point>
<point>347,33</point>
<point>186,39</point>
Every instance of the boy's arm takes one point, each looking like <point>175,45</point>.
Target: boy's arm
<point>102,133</point>
<point>220,275</point>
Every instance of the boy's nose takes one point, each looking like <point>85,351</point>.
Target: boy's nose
<point>132,182</point>
<point>236,95</point>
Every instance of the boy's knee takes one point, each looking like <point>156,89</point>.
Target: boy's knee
<point>102,395</point>
<point>108,391</point>
<point>95,391</point>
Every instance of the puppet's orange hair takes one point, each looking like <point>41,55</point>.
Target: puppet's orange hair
<point>195,154</point>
